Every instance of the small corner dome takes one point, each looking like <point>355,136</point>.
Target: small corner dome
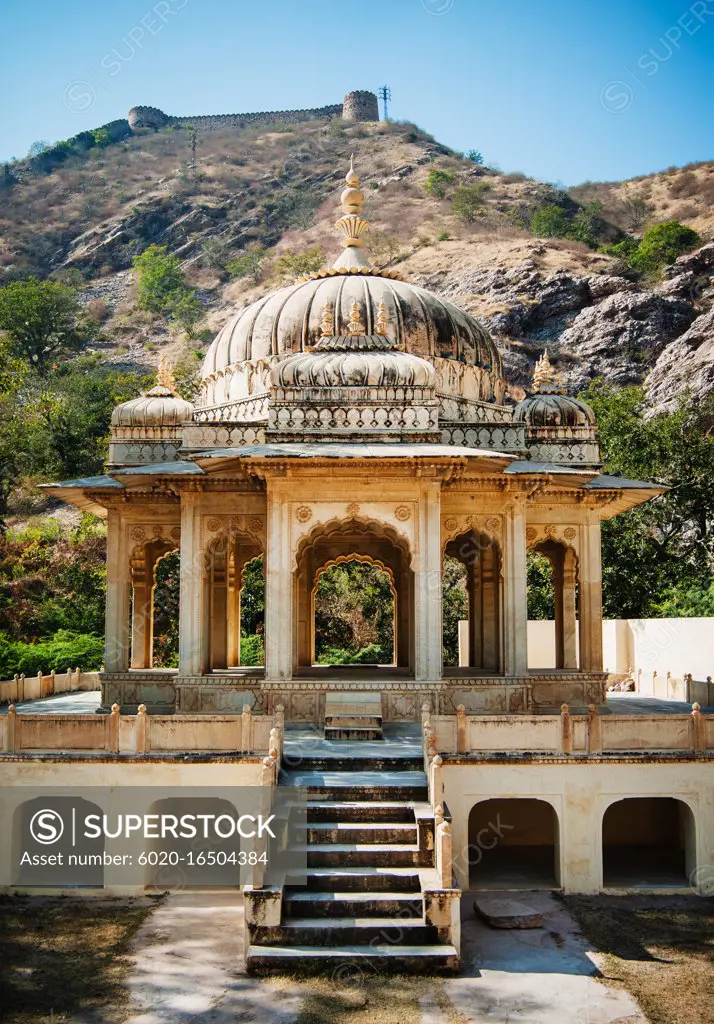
<point>551,409</point>
<point>160,407</point>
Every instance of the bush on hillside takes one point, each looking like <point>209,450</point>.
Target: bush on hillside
<point>295,264</point>
<point>662,244</point>
<point>468,200</point>
<point>439,182</point>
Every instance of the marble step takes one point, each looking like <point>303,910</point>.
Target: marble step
<point>345,931</point>
<point>345,720</point>
<point>369,811</point>
<point>351,904</point>
<point>357,962</point>
<point>325,761</point>
<point>355,879</point>
<point>364,832</point>
<point>375,855</point>
<point>349,733</point>
<point>358,786</point>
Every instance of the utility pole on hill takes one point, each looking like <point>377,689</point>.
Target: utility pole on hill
<point>385,94</point>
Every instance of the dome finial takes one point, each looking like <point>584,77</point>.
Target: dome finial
<point>351,224</point>
<point>381,327</point>
<point>355,326</point>
<point>546,377</point>
<point>165,375</point>
<point>327,323</point>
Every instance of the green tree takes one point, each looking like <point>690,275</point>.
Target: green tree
<point>662,550</point>
<point>541,602</point>
<point>101,137</point>
<point>455,606</point>
<point>354,614</point>
<point>187,313</point>
<point>549,221</point>
<point>468,200</point>
<point>474,156</point>
<point>662,244</point>
<point>438,182</point>
<point>294,264</point>
<point>160,279</point>
<point>249,263</point>
<point>43,321</point>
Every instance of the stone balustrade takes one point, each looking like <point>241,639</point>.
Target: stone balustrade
<point>21,687</point>
<point>144,734</point>
<point>568,734</point>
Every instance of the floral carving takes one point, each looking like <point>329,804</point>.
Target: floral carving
<point>493,523</point>
<point>402,513</point>
<point>138,533</point>
<point>255,525</point>
<point>303,513</point>
<point>531,533</point>
<point>213,525</point>
<point>570,533</point>
<point>353,508</point>
<point>176,532</point>
<point>451,523</point>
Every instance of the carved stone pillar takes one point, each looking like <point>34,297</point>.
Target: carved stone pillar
<point>192,625</point>
<point>490,610</point>
<point>590,595</point>
<point>278,588</point>
<point>515,619</point>
<point>234,584</point>
<point>218,617</point>
<point>473,585</point>
<point>428,585</point>
<point>116,651</point>
<point>142,620</point>
<point>569,616</point>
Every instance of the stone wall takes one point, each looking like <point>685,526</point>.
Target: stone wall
<point>358,106</point>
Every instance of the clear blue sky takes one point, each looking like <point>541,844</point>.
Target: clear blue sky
<point>561,89</point>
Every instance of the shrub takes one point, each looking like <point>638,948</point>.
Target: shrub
<point>159,278</point>
<point>550,221</point>
<point>251,650</point>
<point>98,310</point>
<point>662,245</point>
<point>251,263</point>
<point>294,264</point>
<point>438,182</point>
<point>65,650</point>
<point>474,156</point>
<point>468,200</point>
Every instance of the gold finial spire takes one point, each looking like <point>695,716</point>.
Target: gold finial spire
<point>546,376</point>
<point>382,325</point>
<point>327,323</point>
<point>355,326</point>
<point>165,375</point>
<point>351,224</point>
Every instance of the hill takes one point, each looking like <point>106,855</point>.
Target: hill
<point>277,187</point>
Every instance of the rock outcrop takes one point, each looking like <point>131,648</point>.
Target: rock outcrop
<point>686,364</point>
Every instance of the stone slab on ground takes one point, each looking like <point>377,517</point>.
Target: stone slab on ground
<point>536,976</point>
<point>507,911</point>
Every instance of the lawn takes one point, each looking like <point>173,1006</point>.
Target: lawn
<point>61,956</point>
<point>659,948</point>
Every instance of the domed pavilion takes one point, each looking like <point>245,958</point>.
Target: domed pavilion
<point>354,415</point>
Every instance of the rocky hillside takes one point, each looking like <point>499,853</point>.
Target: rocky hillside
<point>279,190</point>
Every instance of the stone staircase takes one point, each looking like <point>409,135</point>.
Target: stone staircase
<point>369,841</point>
<point>355,716</point>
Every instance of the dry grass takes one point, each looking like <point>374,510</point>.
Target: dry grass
<point>373,998</point>
<point>661,949</point>
<point>61,956</point>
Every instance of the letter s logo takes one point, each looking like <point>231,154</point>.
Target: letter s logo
<point>46,827</point>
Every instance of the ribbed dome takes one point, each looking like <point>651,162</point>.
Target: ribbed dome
<point>552,409</point>
<point>288,321</point>
<point>160,407</point>
<point>351,361</point>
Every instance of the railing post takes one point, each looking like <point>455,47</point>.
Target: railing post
<point>436,781</point>
<point>53,681</point>
<point>247,729</point>
<point>279,717</point>
<point>113,730</point>
<point>566,739</point>
<point>699,741</point>
<point>443,854</point>
<point>274,744</point>
<point>594,731</point>
<point>11,734</point>
<point>462,730</point>
<point>21,688</point>
<point>268,771</point>
<point>141,725</point>
<point>425,714</point>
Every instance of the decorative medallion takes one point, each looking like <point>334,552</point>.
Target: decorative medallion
<point>352,509</point>
<point>176,532</point>
<point>255,525</point>
<point>570,533</point>
<point>213,525</point>
<point>451,523</point>
<point>138,533</point>
<point>493,523</point>
<point>549,530</point>
<point>402,513</point>
<point>531,533</point>
<point>303,514</point>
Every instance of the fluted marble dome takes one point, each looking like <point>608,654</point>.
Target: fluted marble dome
<point>549,406</point>
<point>288,321</point>
<point>353,361</point>
<point>160,407</point>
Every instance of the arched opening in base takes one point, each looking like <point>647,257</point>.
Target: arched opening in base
<point>647,842</point>
<point>513,844</point>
